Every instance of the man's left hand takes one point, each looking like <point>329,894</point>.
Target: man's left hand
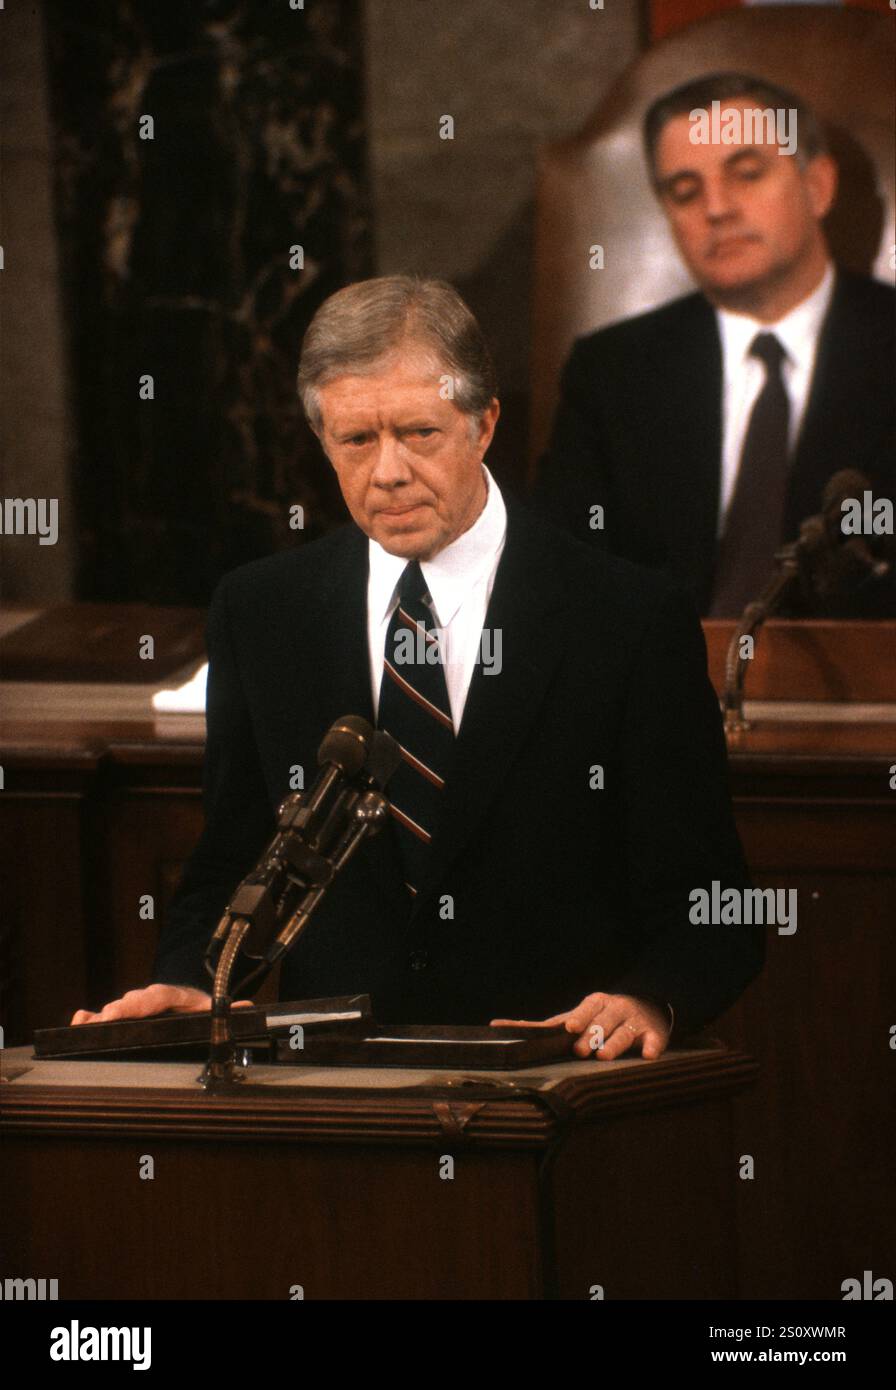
<point>606,1025</point>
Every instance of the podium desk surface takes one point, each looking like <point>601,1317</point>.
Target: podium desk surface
<point>333,1179</point>
<point>526,1107</point>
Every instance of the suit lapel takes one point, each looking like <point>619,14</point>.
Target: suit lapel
<point>342,683</point>
<point>842,400</point>
<point>501,707</point>
<point>338,681</point>
<point>692,375</point>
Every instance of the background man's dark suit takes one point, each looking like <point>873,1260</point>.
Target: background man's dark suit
<point>639,431</point>
<point>558,889</point>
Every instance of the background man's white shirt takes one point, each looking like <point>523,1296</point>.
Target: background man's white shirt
<point>743,376</point>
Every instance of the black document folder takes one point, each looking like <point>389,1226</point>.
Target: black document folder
<point>186,1035</point>
<point>433,1045</point>
<point>338,1032</point>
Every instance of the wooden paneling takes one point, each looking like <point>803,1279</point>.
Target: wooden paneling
<point>820,1124</point>
<point>561,1179</point>
<point>806,661</point>
<point>148,835</point>
<point>241,1223</point>
<point>627,1193</point>
<point>46,826</point>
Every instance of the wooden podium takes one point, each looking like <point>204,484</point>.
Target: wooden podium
<point>96,812</point>
<point>558,1181</point>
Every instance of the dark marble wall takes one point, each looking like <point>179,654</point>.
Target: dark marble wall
<point>175,258</point>
<point>513,74</point>
<point>35,427</point>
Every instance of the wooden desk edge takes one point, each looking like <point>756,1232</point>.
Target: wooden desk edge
<point>471,1108</point>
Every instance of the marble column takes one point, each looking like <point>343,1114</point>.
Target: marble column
<point>210,192</point>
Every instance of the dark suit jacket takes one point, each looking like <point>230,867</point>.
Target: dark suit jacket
<point>638,431</point>
<point>558,889</point>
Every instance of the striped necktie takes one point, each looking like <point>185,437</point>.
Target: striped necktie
<point>415,710</point>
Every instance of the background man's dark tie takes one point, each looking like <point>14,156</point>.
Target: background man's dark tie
<point>756,514</point>
<point>414,709</point>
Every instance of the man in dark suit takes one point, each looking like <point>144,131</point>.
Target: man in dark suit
<point>697,437</point>
<point>562,791</point>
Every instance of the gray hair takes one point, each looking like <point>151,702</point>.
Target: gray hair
<point>357,327</point>
<point>723,86</point>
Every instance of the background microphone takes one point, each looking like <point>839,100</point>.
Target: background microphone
<point>825,561</point>
<point>839,488</point>
<point>842,562</point>
<point>824,530</point>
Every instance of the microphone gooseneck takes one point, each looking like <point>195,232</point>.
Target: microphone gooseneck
<point>317,833</point>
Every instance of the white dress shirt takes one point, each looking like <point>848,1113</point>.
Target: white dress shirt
<point>743,376</point>
<point>460,581</point>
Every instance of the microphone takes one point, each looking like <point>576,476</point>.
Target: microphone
<point>365,811</point>
<point>317,833</point>
<point>361,812</point>
<point>383,758</point>
<point>307,824</point>
<point>342,753</point>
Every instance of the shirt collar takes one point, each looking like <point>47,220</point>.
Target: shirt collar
<point>450,575</point>
<point>797,331</point>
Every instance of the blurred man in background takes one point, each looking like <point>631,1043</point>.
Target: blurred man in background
<point>707,430</point>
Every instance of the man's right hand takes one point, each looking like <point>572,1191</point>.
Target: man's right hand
<point>154,999</point>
